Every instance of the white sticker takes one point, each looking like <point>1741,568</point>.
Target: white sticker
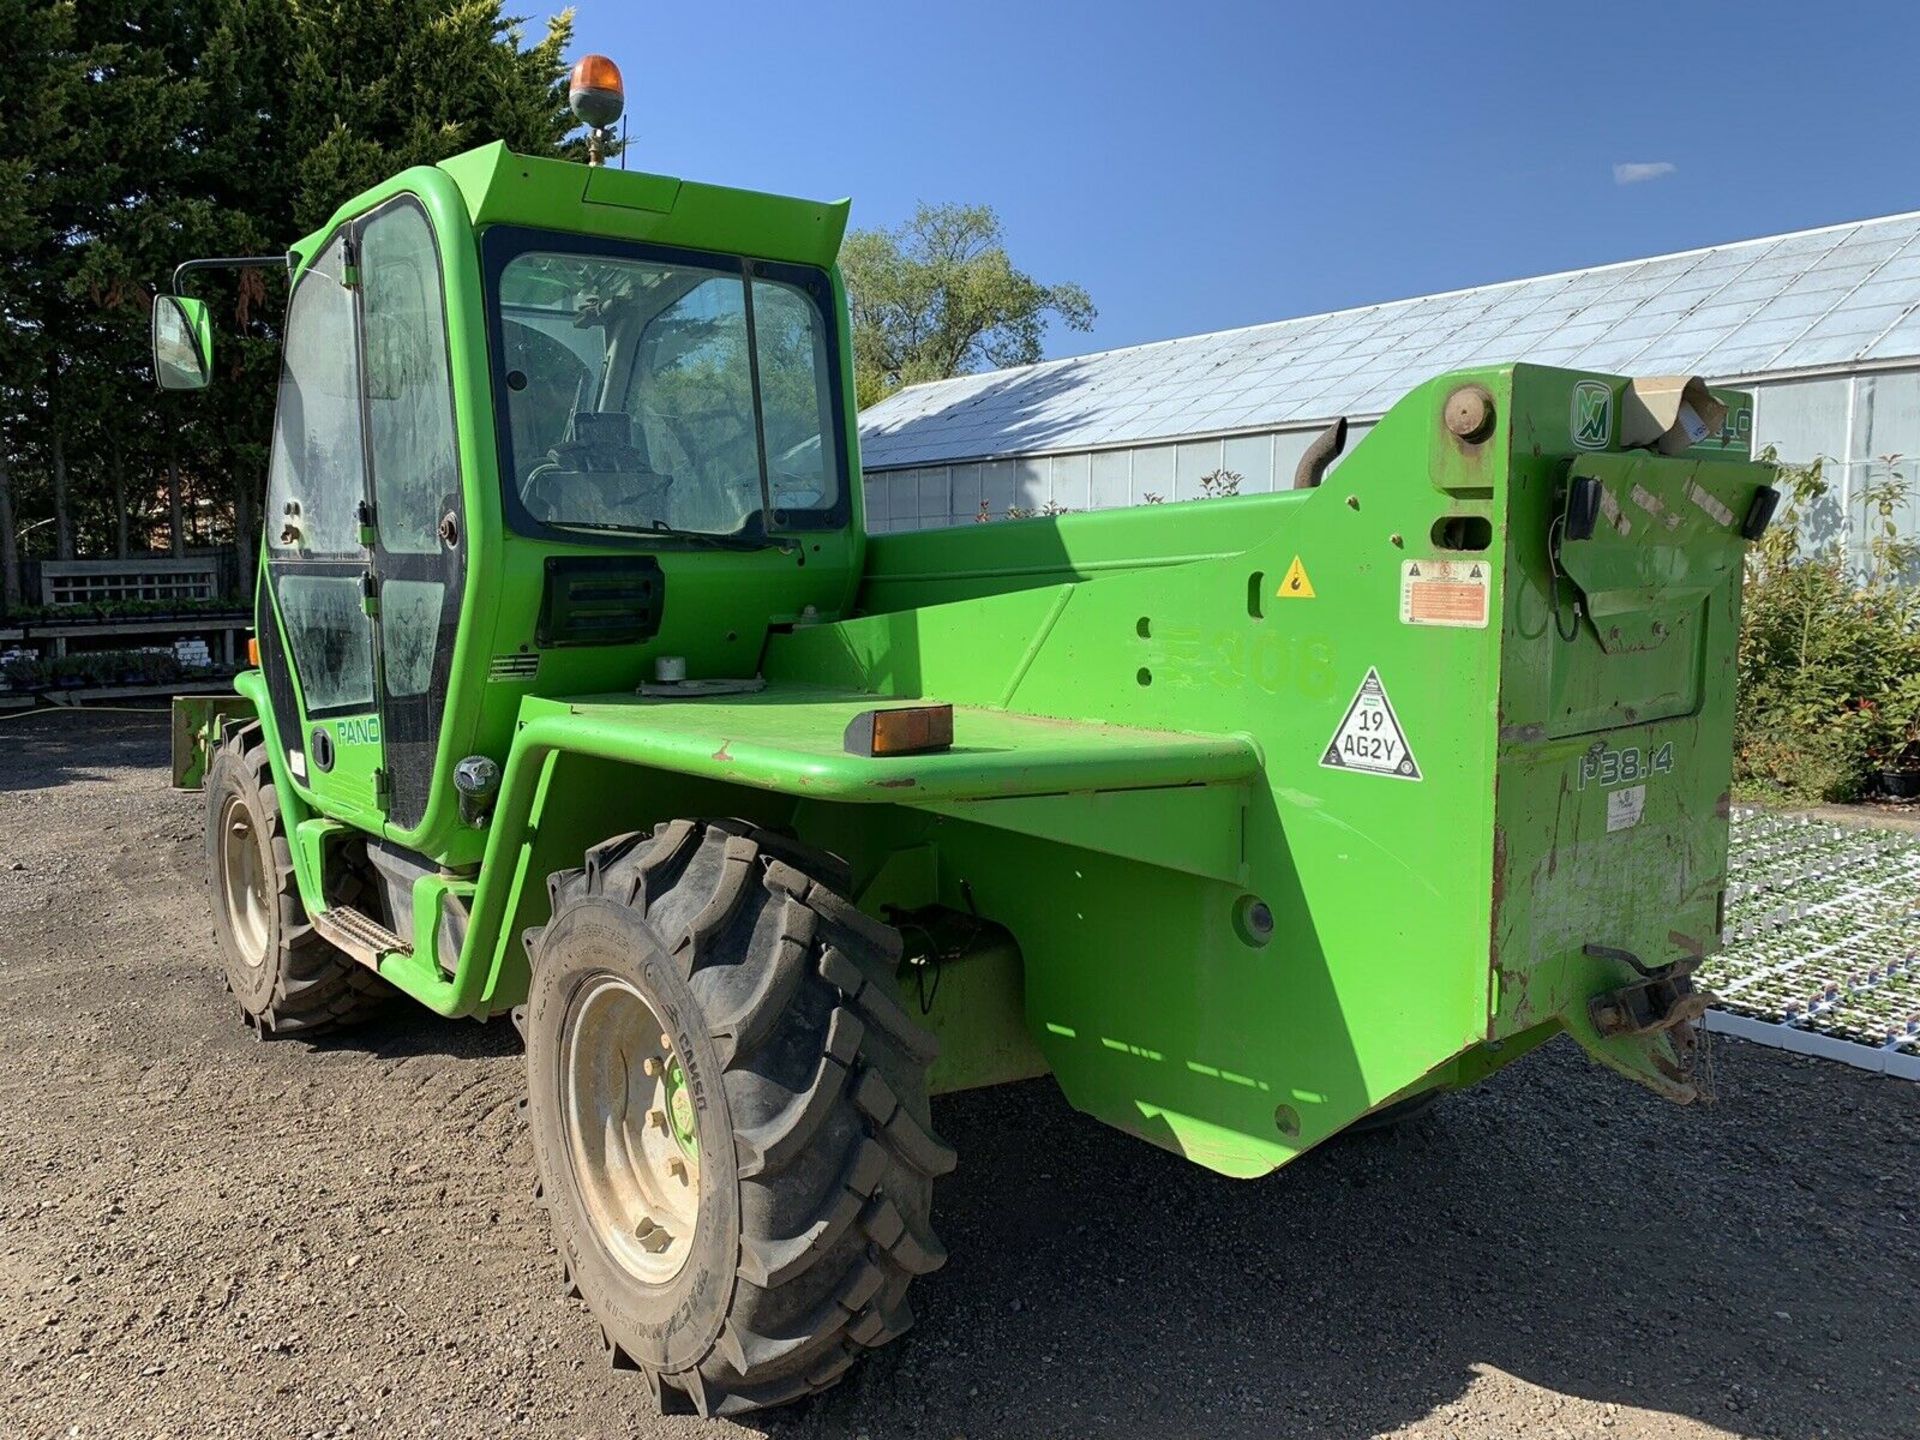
<point>1444,592</point>
<point>297,765</point>
<point>1610,508</point>
<point>1708,502</point>
<point>1624,807</point>
<point>1370,737</point>
<point>1696,429</point>
<point>1651,503</point>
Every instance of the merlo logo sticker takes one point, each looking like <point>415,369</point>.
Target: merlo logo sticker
<point>1591,415</point>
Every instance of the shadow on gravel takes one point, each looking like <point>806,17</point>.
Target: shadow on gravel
<point>406,1031</point>
<point>59,747</point>
<point>1553,1225</point>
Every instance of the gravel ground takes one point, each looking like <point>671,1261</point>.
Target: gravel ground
<point>203,1235</point>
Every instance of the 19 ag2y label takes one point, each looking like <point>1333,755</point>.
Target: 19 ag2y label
<point>1370,738</point>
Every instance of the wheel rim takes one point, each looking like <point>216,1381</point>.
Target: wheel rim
<point>243,881</point>
<point>631,1133</point>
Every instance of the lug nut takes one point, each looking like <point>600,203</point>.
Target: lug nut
<point>658,1119</point>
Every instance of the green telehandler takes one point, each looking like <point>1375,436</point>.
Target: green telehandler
<point>580,696</point>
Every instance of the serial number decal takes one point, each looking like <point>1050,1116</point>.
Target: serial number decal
<point>1602,766</point>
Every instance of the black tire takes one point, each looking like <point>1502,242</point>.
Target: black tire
<point>287,980</point>
<point>816,1155</point>
<point>1391,1117</point>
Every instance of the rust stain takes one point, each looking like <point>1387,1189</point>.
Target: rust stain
<point>1687,943</point>
<point>1559,807</point>
<point>905,781</point>
<point>1499,869</point>
<point>1502,977</point>
<point>721,754</point>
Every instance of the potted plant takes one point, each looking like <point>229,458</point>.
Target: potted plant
<point>23,672</point>
<point>1896,749</point>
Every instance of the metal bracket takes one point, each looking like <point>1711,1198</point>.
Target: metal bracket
<point>231,262</point>
<point>1662,999</point>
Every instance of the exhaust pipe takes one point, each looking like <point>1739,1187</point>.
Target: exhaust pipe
<point>1325,449</point>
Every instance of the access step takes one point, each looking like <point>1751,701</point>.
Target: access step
<point>360,936</point>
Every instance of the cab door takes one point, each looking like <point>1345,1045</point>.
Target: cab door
<point>418,532</point>
<point>313,606</point>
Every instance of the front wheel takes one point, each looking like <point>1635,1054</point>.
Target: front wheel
<point>729,1113</point>
<point>287,979</point>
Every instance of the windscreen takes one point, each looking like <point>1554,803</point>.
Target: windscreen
<point>652,394</point>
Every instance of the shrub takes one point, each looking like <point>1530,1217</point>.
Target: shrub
<point>1829,649</point>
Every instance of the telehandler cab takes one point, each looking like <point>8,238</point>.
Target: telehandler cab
<point>582,696</point>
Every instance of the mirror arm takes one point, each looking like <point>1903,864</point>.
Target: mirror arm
<point>231,262</point>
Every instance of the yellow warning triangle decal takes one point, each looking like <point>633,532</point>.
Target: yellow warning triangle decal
<point>1296,586</point>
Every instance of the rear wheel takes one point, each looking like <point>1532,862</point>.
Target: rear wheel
<point>287,979</point>
<point>729,1113</point>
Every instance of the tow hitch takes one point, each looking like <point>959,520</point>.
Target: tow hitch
<point>1662,999</point>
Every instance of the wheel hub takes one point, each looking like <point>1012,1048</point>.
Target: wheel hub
<point>631,1128</point>
<point>243,881</point>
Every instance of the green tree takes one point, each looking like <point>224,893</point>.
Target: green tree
<point>1829,686</point>
<point>940,296</point>
<point>138,133</point>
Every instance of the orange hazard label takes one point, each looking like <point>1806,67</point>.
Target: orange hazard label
<point>1445,592</point>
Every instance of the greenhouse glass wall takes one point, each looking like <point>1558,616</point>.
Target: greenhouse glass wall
<point>1823,326</point>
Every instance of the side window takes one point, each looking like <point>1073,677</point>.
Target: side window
<point>794,397</point>
<point>409,397</point>
<point>416,476</point>
<point>318,472</point>
<point>331,639</point>
<point>315,481</point>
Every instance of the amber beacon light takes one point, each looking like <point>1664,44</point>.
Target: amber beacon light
<point>596,95</point>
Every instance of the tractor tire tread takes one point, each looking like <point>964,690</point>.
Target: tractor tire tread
<point>785,966</point>
<point>318,988</point>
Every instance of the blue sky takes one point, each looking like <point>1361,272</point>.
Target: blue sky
<point>1199,166</point>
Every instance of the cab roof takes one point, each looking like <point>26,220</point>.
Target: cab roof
<point>499,187</point>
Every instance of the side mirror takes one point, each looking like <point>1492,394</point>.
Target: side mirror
<point>182,343</point>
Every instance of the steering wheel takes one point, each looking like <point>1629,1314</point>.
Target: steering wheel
<point>634,492</point>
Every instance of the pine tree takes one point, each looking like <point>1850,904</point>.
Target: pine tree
<point>135,134</point>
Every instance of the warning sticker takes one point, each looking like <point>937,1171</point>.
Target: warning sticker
<point>1370,737</point>
<point>1444,592</point>
<point>1624,807</point>
<point>1295,585</point>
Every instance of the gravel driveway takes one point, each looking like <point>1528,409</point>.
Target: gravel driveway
<point>204,1235</point>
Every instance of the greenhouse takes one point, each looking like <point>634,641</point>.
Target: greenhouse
<point>1820,324</point>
